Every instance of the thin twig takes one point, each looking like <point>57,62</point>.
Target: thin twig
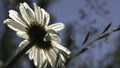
<point>101,36</point>
<point>19,55</point>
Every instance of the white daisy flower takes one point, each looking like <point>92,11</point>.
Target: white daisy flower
<point>32,25</point>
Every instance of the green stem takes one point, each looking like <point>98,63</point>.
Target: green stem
<point>19,55</point>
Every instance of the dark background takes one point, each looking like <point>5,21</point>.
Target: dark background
<point>79,17</point>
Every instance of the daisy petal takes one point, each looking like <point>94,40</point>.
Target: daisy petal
<point>46,17</point>
<point>25,14</point>
<point>38,58</point>
<point>41,58</point>
<point>16,17</point>
<point>63,58</point>
<point>44,64</point>
<point>22,34</point>
<point>56,26</point>
<point>35,57</point>
<point>37,13</point>
<point>14,25</point>
<point>54,55</point>
<point>61,47</point>
<point>55,37</point>
<point>60,64</point>
<point>29,11</point>
<point>54,52</point>
<point>22,45</point>
<point>47,37</point>
<point>42,16</point>
<point>31,53</point>
<point>50,59</point>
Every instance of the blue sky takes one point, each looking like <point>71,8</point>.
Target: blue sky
<point>67,11</point>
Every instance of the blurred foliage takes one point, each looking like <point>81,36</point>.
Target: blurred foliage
<point>115,56</point>
<point>6,45</point>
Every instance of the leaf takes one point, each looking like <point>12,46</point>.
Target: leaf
<point>107,27</point>
<point>86,38</point>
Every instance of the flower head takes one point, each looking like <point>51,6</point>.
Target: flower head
<point>32,25</point>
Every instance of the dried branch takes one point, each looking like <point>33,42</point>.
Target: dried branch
<point>101,36</point>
